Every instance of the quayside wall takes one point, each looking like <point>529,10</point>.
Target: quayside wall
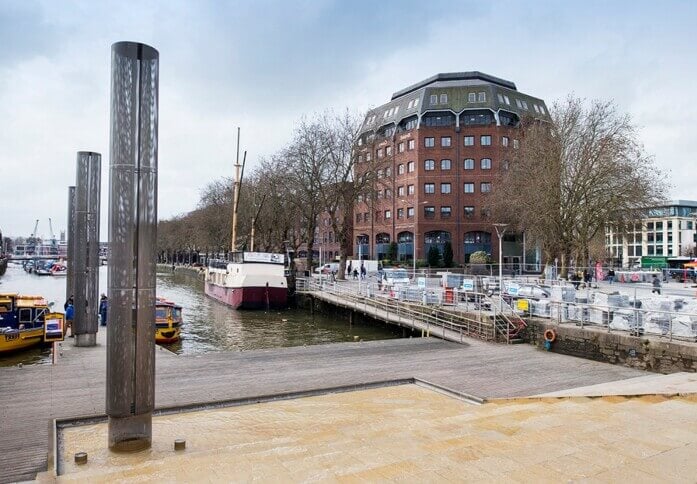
<point>650,353</point>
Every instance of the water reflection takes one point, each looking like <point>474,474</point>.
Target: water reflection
<point>208,324</point>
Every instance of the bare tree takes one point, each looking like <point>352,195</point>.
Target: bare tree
<point>572,177</point>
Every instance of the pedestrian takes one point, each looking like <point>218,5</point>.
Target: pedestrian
<point>363,272</point>
<point>656,283</point>
<point>575,280</point>
<point>611,275</point>
<point>69,315</point>
<point>67,301</point>
<point>355,273</point>
<point>586,277</point>
<point>103,309</point>
<point>349,270</point>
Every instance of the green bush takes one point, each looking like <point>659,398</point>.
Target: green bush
<point>392,251</point>
<point>433,256</point>
<point>479,257</point>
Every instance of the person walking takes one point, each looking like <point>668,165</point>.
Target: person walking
<point>67,301</point>
<point>656,283</point>
<point>363,272</point>
<point>349,271</point>
<point>69,315</point>
<point>103,309</point>
<point>611,275</point>
<point>355,273</point>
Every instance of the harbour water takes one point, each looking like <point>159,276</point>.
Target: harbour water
<point>208,325</point>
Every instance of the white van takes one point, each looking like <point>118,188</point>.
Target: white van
<point>328,268</point>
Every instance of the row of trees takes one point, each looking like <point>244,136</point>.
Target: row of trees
<point>569,179</point>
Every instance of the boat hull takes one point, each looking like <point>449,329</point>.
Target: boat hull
<point>167,335</point>
<point>259,297</point>
<point>22,340</point>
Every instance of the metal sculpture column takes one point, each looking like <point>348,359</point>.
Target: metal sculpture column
<point>86,247</point>
<point>130,391</point>
<point>70,279</point>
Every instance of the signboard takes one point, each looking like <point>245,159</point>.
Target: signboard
<point>53,327</point>
<point>264,257</point>
<point>656,262</point>
<point>468,284</point>
<point>512,288</point>
<point>523,304</point>
<point>421,282</point>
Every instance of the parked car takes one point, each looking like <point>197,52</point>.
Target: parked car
<point>327,268</point>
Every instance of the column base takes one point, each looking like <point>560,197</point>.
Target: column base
<point>130,434</point>
<point>86,339</point>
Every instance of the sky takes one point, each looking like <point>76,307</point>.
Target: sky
<point>262,65</point>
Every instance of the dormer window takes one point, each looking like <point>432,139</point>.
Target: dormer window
<point>444,99</point>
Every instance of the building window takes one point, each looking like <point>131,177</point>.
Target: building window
<point>445,188</point>
<point>365,216</point>
<point>508,101</point>
<point>388,151</point>
<point>360,198</point>
<point>485,164</point>
<point>486,213</point>
<point>410,212</point>
<point>410,144</point>
<point>429,188</point>
<point>481,97</point>
<point>444,99</point>
<point>485,140</point>
<point>388,214</point>
<point>368,157</point>
<point>379,173</point>
<point>445,141</point>
<point>469,164</point>
<point>516,144</point>
<point>445,164</point>
<point>469,187</point>
<point>469,140</point>
<point>410,189</point>
<point>358,218</point>
<point>400,169</point>
<point>468,211</point>
<point>429,165</point>
<point>400,213</point>
<point>379,153</point>
<point>500,96</point>
<point>519,104</point>
<point>429,142</point>
<point>504,141</point>
<point>525,105</point>
<point>434,98</point>
<point>542,110</point>
<point>485,187</point>
<point>411,124</point>
<point>445,212</point>
<point>388,171</point>
<point>400,191</point>
<point>400,147</point>
<point>429,211</point>
<point>388,193</point>
<point>410,167</point>
<point>504,165</point>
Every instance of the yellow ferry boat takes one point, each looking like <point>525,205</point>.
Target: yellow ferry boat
<point>168,321</point>
<point>22,321</point>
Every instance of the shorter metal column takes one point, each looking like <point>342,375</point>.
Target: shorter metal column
<point>70,279</point>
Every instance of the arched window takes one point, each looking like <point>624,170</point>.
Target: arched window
<point>382,238</point>
<point>476,241</point>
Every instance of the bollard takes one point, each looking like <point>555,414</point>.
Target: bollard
<point>130,390</point>
<point>81,458</point>
<point>179,444</point>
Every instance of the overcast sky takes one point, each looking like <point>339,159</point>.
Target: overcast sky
<point>261,65</point>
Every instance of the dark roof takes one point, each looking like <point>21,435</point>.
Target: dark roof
<point>456,76</point>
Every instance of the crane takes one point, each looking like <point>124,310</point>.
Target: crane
<point>36,227</point>
<point>54,241</point>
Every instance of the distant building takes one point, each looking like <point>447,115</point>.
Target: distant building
<point>434,151</point>
<point>666,232</point>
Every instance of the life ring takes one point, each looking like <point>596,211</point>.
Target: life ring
<point>550,335</point>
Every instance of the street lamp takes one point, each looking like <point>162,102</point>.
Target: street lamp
<point>500,230</point>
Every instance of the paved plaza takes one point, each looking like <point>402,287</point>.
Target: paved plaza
<point>408,434</point>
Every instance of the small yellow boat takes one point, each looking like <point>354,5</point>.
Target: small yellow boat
<point>168,321</point>
<point>22,321</point>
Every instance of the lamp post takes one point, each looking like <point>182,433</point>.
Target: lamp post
<point>500,230</point>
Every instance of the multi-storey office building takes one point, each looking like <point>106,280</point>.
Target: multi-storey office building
<point>665,232</point>
<point>434,151</point>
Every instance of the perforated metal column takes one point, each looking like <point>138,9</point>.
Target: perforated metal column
<point>130,392</point>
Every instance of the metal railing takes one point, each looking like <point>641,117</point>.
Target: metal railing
<point>476,316</point>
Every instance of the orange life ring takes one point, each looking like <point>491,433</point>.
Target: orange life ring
<point>550,335</point>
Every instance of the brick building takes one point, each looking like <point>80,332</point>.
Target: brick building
<point>433,152</point>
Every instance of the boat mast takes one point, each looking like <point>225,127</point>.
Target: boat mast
<point>239,171</point>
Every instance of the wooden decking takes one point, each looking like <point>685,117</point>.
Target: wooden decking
<point>31,396</point>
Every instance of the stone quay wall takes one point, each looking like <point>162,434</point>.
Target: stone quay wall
<point>651,353</point>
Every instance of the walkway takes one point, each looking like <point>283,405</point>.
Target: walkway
<point>32,395</point>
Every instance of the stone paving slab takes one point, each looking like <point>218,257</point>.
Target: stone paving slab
<point>406,433</point>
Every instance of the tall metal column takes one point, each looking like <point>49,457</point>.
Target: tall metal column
<point>87,195</point>
<point>70,279</point>
<point>130,391</point>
